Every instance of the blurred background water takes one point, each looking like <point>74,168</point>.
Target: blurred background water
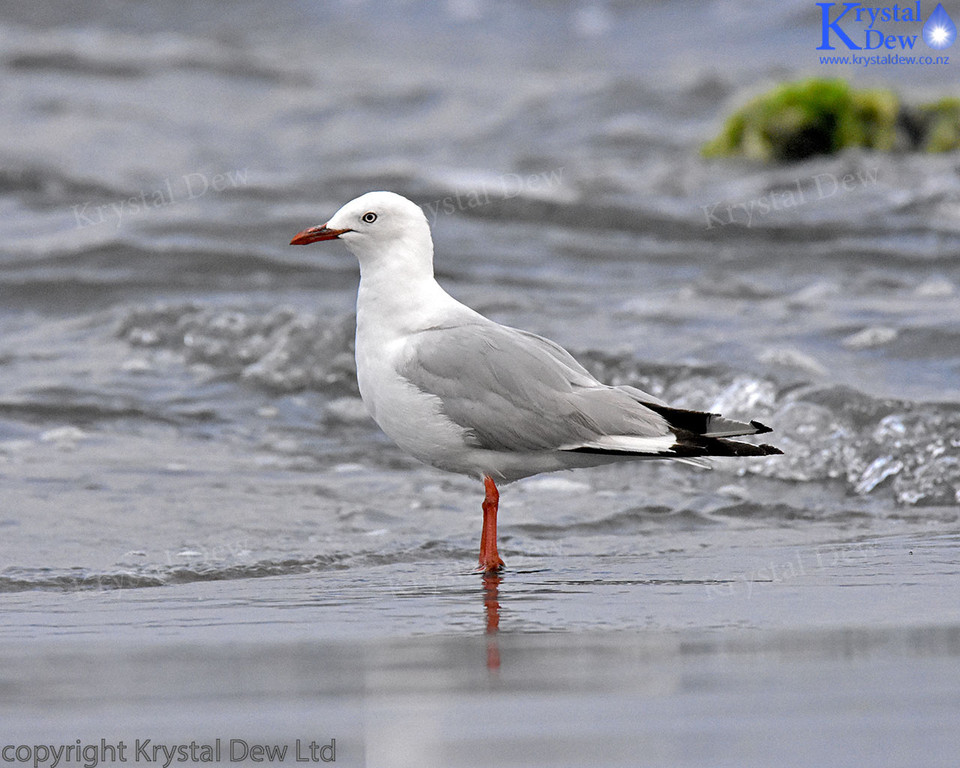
<point>190,482</point>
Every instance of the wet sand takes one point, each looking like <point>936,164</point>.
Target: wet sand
<point>815,652</point>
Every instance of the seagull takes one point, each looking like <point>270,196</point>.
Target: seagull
<point>468,395</point>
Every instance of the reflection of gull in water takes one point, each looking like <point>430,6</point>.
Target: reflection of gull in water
<point>467,395</point>
<point>491,606</point>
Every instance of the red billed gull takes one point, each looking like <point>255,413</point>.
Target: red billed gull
<point>465,394</point>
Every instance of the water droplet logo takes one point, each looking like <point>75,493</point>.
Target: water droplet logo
<point>939,32</point>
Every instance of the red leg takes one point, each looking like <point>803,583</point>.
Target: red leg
<point>490,561</point>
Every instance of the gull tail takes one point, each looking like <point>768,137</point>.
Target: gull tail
<point>692,435</point>
<point>706,434</point>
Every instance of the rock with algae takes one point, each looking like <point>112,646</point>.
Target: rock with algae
<point>824,116</point>
<point>937,125</point>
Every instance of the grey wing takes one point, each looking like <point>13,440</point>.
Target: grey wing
<point>516,391</point>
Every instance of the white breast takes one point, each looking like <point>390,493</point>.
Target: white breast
<point>411,418</point>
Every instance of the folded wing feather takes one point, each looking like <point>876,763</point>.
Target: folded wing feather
<point>516,391</point>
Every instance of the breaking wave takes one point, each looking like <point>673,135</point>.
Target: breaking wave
<point>906,451</point>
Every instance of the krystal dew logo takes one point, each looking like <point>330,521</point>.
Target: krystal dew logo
<point>861,28</point>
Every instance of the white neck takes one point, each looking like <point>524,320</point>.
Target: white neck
<point>399,296</point>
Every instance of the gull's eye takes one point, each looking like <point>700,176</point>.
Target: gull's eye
<point>369,217</point>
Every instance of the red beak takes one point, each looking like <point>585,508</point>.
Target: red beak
<point>315,234</point>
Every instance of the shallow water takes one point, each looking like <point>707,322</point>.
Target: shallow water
<point>815,650</point>
<point>202,535</point>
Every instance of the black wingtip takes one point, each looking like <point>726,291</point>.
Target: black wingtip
<point>761,428</point>
<point>710,446</point>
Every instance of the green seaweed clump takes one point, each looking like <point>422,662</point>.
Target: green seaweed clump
<point>810,117</point>
<point>938,125</point>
